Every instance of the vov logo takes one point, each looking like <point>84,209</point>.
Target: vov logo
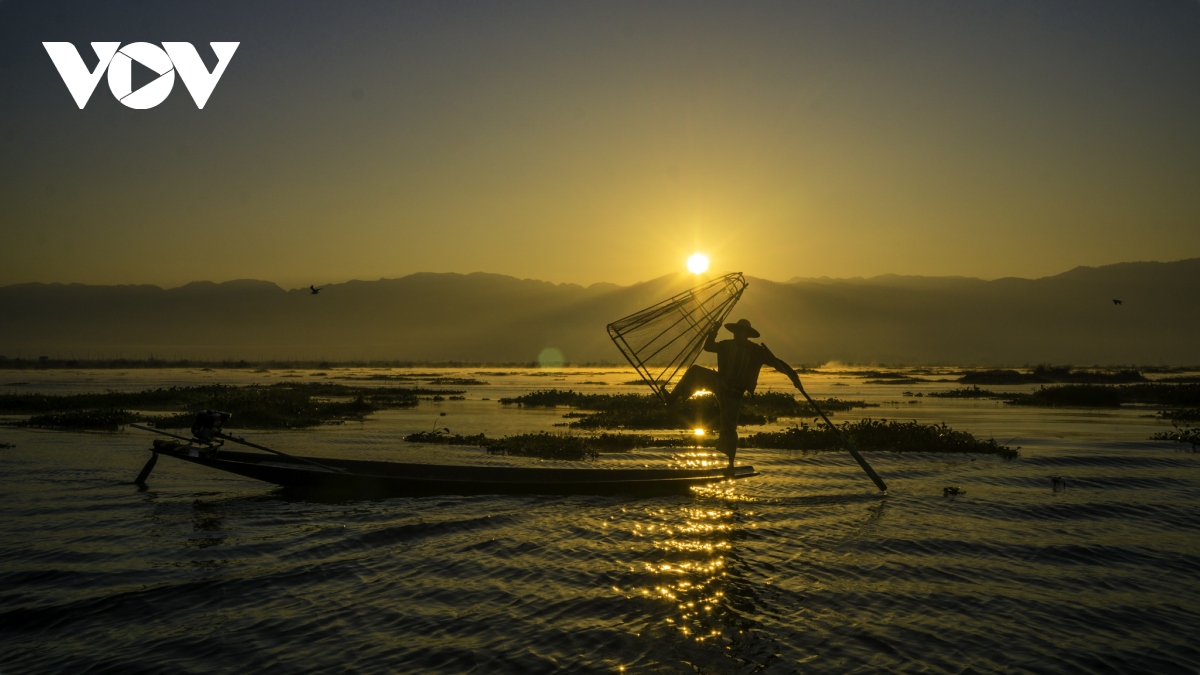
<point>172,57</point>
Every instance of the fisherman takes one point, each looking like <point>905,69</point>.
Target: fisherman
<point>738,363</point>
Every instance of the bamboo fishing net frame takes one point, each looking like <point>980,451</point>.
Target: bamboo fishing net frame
<point>662,340</point>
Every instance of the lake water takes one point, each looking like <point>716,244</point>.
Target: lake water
<point>806,568</point>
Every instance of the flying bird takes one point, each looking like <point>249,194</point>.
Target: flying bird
<point>1116,302</point>
<point>316,290</point>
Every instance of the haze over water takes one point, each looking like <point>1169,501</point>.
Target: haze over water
<point>804,568</point>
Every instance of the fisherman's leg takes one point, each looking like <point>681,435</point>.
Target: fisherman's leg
<point>727,441</point>
<point>697,378</point>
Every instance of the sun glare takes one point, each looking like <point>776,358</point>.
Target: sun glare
<point>698,263</point>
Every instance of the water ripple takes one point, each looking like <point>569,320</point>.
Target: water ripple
<point>804,569</point>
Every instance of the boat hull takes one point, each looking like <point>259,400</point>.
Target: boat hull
<point>361,478</point>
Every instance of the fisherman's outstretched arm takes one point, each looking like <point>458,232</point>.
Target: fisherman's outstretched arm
<point>782,366</point>
<point>710,344</point>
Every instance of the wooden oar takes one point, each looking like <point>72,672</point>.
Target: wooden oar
<point>164,433</point>
<point>141,479</point>
<point>845,441</point>
<point>235,439</point>
<point>256,446</point>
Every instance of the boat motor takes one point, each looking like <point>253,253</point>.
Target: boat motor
<point>208,425</point>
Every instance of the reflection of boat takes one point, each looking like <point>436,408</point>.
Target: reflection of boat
<point>363,478</point>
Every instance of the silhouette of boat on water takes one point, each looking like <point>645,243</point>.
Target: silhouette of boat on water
<point>348,477</point>
<point>369,478</point>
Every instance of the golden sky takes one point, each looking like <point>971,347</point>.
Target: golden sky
<point>586,142</point>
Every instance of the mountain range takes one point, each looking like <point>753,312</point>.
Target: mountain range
<point>1066,318</point>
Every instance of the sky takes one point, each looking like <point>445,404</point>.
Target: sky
<point>607,141</point>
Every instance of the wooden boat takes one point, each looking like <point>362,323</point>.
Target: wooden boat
<point>361,478</point>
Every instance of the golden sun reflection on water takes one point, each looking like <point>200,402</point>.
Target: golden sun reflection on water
<point>697,459</point>
<point>684,568</point>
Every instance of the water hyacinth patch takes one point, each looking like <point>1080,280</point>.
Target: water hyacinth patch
<point>878,435</point>
<point>965,392</point>
<point>540,444</point>
<point>274,406</point>
<point>866,434</point>
<point>1181,395</point>
<point>1180,435</point>
<point>83,420</point>
<point>1180,416</point>
<point>1053,374</point>
<point>646,411</point>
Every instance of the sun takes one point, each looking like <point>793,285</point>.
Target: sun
<point>698,263</point>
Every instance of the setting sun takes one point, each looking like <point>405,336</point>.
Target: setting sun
<point>698,263</point>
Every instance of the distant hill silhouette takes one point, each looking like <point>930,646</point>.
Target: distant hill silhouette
<point>1067,318</point>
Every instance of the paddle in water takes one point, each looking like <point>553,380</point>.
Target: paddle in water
<point>845,441</point>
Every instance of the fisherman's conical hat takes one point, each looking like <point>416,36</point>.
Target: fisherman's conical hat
<point>742,327</point>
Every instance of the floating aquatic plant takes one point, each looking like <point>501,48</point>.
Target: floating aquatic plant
<point>1083,395</point>
<point>540,444</point>
<point>1180,435</point>
<point>1091,395</point>
<point>1180,416</point>
<point>444,437</point>
<point>882,434</point>
<point>1052,374</point>
<point>867,434</point>
<point>645,411</point>
<point>966,392</point>
<point>1094,395</point>
<point>273,406</point>
<point>91,420</point>
<point>544,445</point>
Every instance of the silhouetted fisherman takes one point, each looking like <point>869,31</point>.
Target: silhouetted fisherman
<point>315,290</point>
<point>738,363</point>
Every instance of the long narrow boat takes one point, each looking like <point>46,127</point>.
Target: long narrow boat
<point>361,478</point>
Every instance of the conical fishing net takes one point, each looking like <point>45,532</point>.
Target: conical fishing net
<point>664,340</point>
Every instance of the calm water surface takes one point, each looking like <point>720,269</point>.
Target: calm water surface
<point>803,569</point>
